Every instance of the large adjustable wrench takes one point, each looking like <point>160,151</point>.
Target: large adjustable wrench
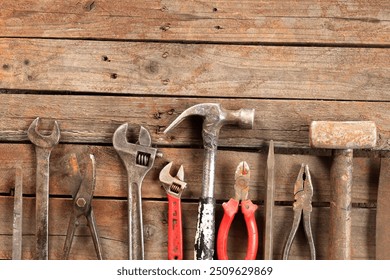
<point>138,159</point>
<point>174,187</point>
<point>43,146</point>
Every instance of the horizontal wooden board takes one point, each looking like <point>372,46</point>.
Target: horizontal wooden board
<point>330,21</point>
<point>111,222</point>
<point>112,180</point>
<point>94,119</point>
<point>196,69</point>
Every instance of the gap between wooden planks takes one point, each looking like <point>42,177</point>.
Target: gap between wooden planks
<point>322,22</point>
<point>197,70</point>
<point>111,181</point>
<point>94,119</point>
<point>112,226</point>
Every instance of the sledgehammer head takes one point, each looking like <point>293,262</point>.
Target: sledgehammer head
<point>343,135</point>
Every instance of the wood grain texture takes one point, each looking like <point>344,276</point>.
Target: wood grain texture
<point>330,21</point>
<point>93,119</point>
<point>383,217</point>
<point>111,222</point>
<point>196,70</point>
<point>111,179</point>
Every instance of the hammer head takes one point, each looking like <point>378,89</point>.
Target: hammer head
<point>343,135</point>
<point>215,117</point>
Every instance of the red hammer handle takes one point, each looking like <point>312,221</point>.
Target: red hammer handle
<point>175,232</point>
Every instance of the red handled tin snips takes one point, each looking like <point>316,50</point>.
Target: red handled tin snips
<point>174,187</point>
<point>230,208</point>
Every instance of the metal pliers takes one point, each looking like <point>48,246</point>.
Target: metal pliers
<point>82,207</point>
<point>303,193</point>
<point>230,208</point>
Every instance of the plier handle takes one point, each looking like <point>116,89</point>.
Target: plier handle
<point>82,207</point>
<point>248,209</point>
<point>303,193</point>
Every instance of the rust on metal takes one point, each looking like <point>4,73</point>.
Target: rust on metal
<point>341,205</point>
<point>343,135</point>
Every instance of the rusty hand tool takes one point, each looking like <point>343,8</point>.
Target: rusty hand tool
<point>18,216</point>
<point>241,188</point>
<point>303,193</point>
<point>269,203</point>
<point>138,159</point>
<point>82,206</point>
<point>214,118</point>
<point>174,187</point>
<point>43,146</point>
<point>343,137</point>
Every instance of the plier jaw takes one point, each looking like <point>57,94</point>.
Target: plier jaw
<point>82,206</point>
<point>242,176</point>
<point>303,190</point>
<point>248,209</point>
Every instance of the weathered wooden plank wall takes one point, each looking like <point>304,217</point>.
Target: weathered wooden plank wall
<point>93,65</point>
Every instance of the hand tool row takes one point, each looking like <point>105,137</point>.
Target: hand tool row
<point>138,158</point>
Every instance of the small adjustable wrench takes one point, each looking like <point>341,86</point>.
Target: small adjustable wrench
<point>43,146</point>
<point>138,159</point>
<point>174,187</point>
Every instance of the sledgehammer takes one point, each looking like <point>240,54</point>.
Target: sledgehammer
<point>343,137</point>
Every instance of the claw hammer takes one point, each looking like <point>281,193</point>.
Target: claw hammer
<point>214,118</point>
<point>343,137</point>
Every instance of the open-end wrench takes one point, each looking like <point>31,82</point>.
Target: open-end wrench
<point>138,159</point>
<point>43,146</point>
<point>174,187</point>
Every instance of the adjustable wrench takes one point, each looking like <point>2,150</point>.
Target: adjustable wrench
<point>43,146</point>
<point>174,187</point>
<point>138,159</point>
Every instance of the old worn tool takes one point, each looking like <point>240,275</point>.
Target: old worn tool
<point>174,186</point>
<point>82,206</point>
<point>18,216</point>
<point>303,193</point>
<point>241,188</point>
<point>343,137</point>
<point>43,146</point>
<point>269,203</point>
<point>214,118</point>
<point>138,159</point>
<point>383,212</point>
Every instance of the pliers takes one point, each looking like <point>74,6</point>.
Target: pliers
<point>230,208</point>
<point>303,193</point>
<point>82,207</point>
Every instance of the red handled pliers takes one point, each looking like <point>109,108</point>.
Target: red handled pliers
<point>174,187</point>
<point>230,208</point>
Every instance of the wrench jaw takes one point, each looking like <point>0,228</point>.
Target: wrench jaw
<point>139,154</point>
<point>173,185</point>
<point>44,141</point>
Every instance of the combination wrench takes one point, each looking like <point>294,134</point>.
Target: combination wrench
<point>43,146</point>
